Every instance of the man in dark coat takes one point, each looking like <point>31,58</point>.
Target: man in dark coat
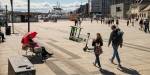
<point>117,40</point>
<point>146,24</point>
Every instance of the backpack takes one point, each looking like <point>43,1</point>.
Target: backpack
<point>117,37</point>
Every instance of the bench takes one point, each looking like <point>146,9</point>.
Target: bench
<point>19,65</point>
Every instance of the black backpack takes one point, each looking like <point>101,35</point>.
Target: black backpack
<point>117,36</point>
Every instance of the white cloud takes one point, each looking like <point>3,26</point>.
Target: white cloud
<point>38,6</point>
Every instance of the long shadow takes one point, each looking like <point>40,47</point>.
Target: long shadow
<point>129,71</point>
<point>106,72</point>
<point>137,45</point>
<point>34,59</point>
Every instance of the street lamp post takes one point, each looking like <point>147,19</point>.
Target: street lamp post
<point>12,15</point>
<point>6,15</point>
<point>28,15</point>
<point>116,8</point>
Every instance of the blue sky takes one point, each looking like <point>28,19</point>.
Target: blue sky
<point>44,5</point>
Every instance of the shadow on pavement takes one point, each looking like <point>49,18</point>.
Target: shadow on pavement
<point>35,59</point>
<point>106,72</point>
<point>129,71</point>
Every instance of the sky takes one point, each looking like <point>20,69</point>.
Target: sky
<point>43,5</point>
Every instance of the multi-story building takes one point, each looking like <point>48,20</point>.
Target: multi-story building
<point>96,6</point>
<point>141,9</point>
<point>100,7</point>
<point>2,16</point>
<point>119,8</point>
<point>106,7</point>
<point>123,1</point>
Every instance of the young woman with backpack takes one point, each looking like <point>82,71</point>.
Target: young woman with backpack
<point>97,43</point>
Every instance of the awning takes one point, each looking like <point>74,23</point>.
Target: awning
<point>134,10</point>
<point>147,8</point>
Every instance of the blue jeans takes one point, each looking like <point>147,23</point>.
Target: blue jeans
<point>97,61</point>
<point>115,54</point>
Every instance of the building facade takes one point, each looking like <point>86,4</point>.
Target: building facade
<point>96,6</point>
<point>145,13</point>
<point>2,16</point>
<point>123,1</point>
<point>119,8</point>
<point>127,8</point>
<point>141,9</point>
<point>23,16</point>
<point>101,7</point>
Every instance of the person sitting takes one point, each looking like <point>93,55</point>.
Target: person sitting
<point>35,48</point>
<point>2,35</point>
<point>38,49</point>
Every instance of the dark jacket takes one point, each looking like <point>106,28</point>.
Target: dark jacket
<point>141,22</point>
<point>146,23</point>
<point>113,36</point>
<point>99,41</point>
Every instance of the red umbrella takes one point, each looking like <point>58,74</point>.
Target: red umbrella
<point>25,39</point>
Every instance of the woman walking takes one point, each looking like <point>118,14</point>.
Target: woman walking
<point>97,43</point>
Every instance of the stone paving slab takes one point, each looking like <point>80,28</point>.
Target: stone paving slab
<point>69,58</point>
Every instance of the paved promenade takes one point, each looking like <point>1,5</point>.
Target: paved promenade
<point>70,59</point>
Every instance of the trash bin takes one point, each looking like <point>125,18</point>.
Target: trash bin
<point>8,30</point>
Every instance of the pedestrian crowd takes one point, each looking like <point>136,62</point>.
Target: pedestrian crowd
<point>143,24</point>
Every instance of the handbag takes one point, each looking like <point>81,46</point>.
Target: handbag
<point>98,50</point>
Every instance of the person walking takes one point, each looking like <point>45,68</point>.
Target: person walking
<point>113,21</point>
<point>76,22</point>
<point>79,22</point>
<point>146,24</point>
<point>117,40</point>
<point>141,24</point>
<point>97,43</point>
<point>2,36</point>
<point>91,19</point>
<point>109,22</point>
<point>133,22</point>
<point>101,20</point>
<point>127,22</point>
<point>117,22</point>
<point>97,19</point>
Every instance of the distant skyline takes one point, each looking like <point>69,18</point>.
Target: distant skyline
<point>43,5</point>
